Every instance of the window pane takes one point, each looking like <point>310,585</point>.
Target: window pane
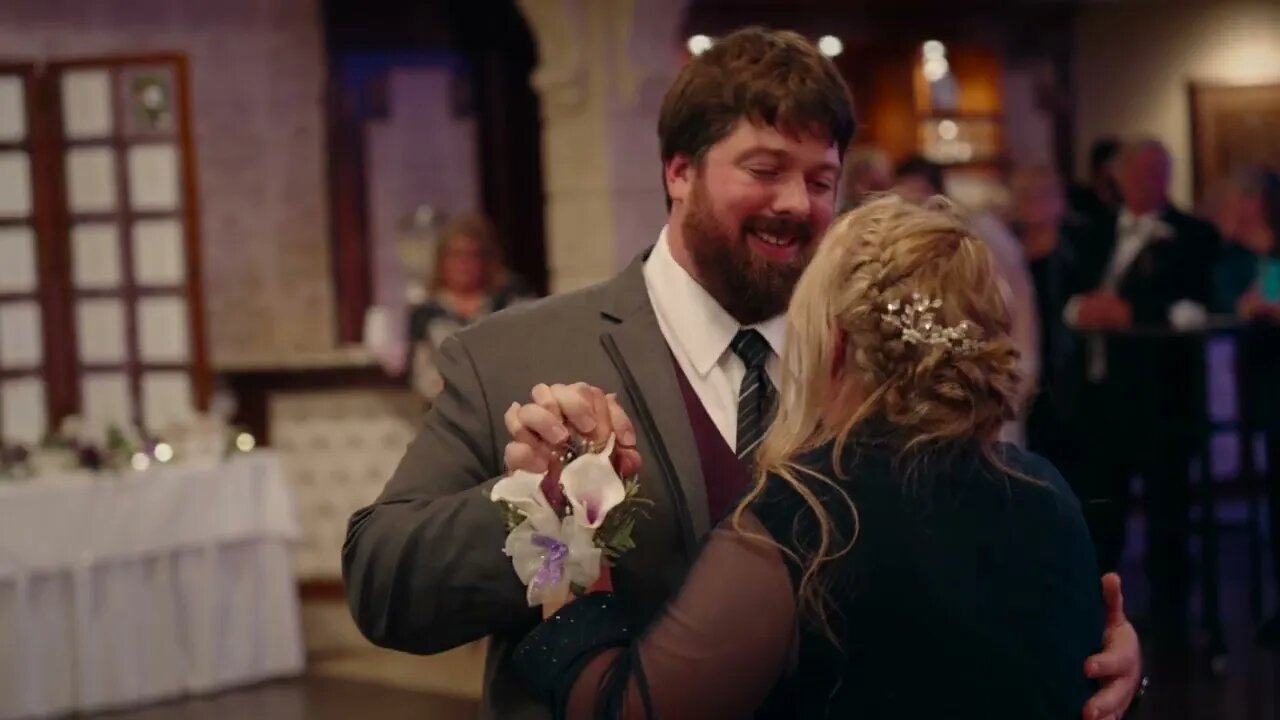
<point>159,258</point>
<point>15,185</point>
<point>166,399</point>
<point>21,346</point>
<point>86,104</point>
<point>105,400</point>
<point>153,177</point>
<point>95,253</point>
<point>18,260</point>
<point>91,180</point>
<point>13,109</point>
<point>101,331</point>
<point>162,330</point>
<point>22,411</point>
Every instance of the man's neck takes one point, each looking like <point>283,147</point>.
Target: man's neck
<point>680,249</point>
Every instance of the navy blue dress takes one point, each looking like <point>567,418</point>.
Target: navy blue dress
<point>971,588</point>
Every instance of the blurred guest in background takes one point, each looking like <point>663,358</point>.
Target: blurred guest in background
<point>1146,265</point>
<point>1247,284</point>
<point>1049,234</point>
<point>1099,197</point>
<point>468,282</point>
<point>867,171</point>
<point>917,179</point>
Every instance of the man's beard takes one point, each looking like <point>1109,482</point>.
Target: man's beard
<point>749,287</point>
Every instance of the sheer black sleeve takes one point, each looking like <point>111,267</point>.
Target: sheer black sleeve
<point>716,651</point>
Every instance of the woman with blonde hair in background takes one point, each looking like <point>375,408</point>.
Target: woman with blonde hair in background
<point>468,282</point>
<point>893,558</point>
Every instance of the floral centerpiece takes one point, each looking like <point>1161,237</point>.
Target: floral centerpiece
<point>563,525</point>
<point>111,448</point>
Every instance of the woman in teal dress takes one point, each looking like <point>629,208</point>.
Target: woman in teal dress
<point>1250,222</point>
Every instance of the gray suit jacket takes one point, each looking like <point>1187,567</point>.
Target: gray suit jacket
<point>423,565</point>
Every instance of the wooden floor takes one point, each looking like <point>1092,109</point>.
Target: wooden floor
<point>1184,685</point>
<point>312,698</point>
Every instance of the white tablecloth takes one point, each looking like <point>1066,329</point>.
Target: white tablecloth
<point>117,591</point>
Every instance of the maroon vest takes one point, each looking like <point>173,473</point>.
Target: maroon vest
<point>725,476</point>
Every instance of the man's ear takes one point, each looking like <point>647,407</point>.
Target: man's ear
<point>678,172</point>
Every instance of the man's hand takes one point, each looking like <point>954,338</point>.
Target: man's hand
<point>1104,310</point>
<point>539,428</point>
<point>1118,667</point>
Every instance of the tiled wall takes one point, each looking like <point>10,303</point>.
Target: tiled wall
<point>338,449</point>
<point>257,76</point>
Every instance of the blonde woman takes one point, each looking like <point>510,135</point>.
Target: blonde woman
<point>468,282</point>
<point>892,559</point>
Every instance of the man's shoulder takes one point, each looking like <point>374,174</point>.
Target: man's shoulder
<point>544,318</point>
<point>1186,223</point>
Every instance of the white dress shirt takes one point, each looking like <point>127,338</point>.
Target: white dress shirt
<point>699,331</point>
<point>1133,234</point>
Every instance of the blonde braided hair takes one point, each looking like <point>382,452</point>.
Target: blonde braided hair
<point>930,395</point>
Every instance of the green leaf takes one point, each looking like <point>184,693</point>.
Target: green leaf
<point>511,516</point>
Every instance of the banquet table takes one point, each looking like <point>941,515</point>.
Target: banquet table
<point>118,590</point>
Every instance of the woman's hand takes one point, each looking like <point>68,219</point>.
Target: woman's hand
<point>1252,306</point>
<point>1247,305</point>
<point>604,583</point>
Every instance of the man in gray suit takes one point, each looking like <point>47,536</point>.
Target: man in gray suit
<point>751,138</point>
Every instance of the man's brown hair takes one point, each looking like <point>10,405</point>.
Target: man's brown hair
<point>770,77</point>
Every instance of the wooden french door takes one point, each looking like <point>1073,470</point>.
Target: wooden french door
<point>124,319</point>
<point>27,370</point>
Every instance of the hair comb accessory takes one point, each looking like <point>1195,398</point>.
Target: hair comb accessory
<point>919,325</point>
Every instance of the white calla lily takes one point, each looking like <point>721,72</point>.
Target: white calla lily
<point>592,486</point>
<point>523,490</point>
<point>549,563</point>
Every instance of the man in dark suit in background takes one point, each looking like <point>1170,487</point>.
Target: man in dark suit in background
<point>1143,268</point>
<point>1099,197</point>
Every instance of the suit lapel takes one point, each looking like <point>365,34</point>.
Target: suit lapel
<point>640,353</point>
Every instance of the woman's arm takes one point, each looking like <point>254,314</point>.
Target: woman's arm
<point>716,651</point>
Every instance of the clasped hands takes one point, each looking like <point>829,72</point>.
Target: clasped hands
<point>542,429</point>
<point>1103,309</point>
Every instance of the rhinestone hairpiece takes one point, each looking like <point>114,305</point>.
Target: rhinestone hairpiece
<point>919,325</point>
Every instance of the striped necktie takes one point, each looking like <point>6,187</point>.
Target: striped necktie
<point>755,397</point>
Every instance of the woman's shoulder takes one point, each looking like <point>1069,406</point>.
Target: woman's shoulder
<point>429,308</point>
<point>1234,258</point>
<point>869,474</point>
<point>1043,504</point>
<point>1034,479</point>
